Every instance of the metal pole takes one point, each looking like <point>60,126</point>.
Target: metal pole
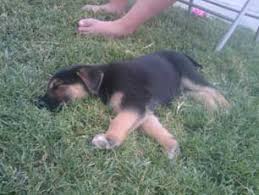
<point>190,7</point>
<point>233,27</point>
<point>257,35</point>
<point>230,8</point>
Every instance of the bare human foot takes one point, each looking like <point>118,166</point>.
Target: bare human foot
<point>140,12</point>
<point>117,7</point>
<point>112,29</point>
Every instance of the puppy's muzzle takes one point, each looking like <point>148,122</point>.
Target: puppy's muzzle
<point>48,103</point>
<point>40,103</point>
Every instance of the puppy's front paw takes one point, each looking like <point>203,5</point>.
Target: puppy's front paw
<point>102,142</point>
<point>174,151</point>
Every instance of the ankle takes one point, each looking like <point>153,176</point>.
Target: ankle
<point>125,26</point>
<point>118,4</point>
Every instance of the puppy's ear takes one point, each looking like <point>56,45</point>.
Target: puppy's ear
<point>54,83</point>
<point>92,78</point>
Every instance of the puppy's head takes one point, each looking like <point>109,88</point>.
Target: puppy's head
<point>71,84</point>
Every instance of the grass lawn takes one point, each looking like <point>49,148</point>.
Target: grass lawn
<point>42,152</point>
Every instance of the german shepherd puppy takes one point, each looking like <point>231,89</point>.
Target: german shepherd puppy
<point>134,89</point>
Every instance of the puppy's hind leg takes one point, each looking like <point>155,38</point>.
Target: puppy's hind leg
<point>209,96</point>
<point>154,128</point>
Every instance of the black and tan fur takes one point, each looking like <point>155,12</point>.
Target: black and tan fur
<point>134,89</point>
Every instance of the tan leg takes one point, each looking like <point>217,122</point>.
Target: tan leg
<point>119,128</point>
<point>154,128</point>
<point>210,97</point>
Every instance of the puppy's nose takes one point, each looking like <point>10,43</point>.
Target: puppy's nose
<point>40,103</point>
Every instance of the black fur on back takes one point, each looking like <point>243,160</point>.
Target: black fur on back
<point>149,80</point>
<point>185,65</point>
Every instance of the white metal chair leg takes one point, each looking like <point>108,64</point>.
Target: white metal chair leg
<point>257,35</point>
<point>190,7</point>
<point>233,27</point>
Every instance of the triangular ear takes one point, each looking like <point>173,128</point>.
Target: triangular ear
<point>92,79</point>
<point>54,83</point>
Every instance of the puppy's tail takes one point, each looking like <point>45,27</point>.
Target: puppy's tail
<point>194,62</point>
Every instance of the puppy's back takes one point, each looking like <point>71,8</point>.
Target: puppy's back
<point>151,77</point>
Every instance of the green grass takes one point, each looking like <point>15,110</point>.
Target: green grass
<point>42,152</point>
